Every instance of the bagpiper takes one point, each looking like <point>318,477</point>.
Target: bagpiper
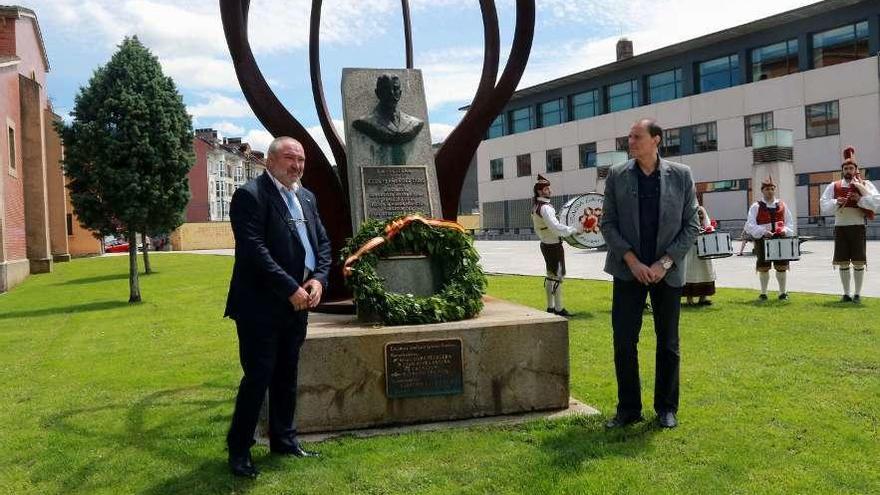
<point>853,201</point>
<point>550,231</point>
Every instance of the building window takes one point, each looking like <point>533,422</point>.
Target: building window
<point>521,120</point>
<point>622,144</point>
<point>823,119</point>
<point>523,165</point>
<point>623,95</point>
<point>719,73</point>
<point>843,44</point>
<point>671,144</point>
<point>664,86</point>
<point>705,137</point>
<point>775,60</point>
<point>757,123</point>
<point>11,136</point>
<point>587,154</point>
<point>497,127</point>
<point>496,169</point>
<point>554,160</point>
<point>551,112</point>
<point>70,224</point>
<point>585,105</point>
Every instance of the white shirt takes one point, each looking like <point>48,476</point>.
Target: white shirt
<point>547,226</point>
<point>758,231</point>
<point>282,188</point>
<point>847,215</point>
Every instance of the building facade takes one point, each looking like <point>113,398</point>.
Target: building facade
<point>813,70</point>
<point>221,166</point>
<point>33,210</point>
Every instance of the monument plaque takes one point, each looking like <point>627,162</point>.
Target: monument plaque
<point>423,368</point>
<point>394,191</point>
<point>390,161</point>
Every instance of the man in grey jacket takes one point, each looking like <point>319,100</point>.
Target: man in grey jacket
<point>649,222</point>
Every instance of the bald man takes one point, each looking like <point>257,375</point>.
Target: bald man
<point>282,261</point>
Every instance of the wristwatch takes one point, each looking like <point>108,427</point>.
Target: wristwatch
<point>666,262</point>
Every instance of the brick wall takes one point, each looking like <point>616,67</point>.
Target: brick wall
<point>199,209</point>
<point>7,36</point>
<point>206,235</point>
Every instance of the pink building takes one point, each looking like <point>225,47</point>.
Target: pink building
<point>33,206</point>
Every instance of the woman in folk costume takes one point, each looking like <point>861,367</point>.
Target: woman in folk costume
<point>853,202</point>
<point>769,217</point>
<point>699,273</point>
<point>550,232</point>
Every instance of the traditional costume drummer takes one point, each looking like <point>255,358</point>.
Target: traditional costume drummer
<point>769,218</point>
<point>853,202</point>
<point>550,231</point>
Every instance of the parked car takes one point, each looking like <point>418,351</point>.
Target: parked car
<point>115,245</point>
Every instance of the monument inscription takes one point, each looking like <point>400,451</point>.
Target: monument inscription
<point>394,191</point>
<point>425,368</point>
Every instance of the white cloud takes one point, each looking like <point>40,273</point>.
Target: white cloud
<point>200,72</point>
<point>318,135</point>
<point>440,131</point>
<point>228,129</point>
<point>218,105</point>
<point>259,139</point>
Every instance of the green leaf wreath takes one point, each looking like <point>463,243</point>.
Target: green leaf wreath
<point>461,295</point>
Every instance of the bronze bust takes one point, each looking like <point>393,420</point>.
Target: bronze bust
<point>386,124</point>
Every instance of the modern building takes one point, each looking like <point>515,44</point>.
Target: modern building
<point>221,166</point>
<point>33,206</point>
<point>813,70</point>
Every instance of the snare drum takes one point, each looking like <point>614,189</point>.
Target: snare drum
<point>585,211</point>
<point>782,249</point>
<point>714,245</point>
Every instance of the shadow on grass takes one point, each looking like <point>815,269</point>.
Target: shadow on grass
<point>166,429</point>
<point>103,278</point>
<point>74,308</point>
<point>588,439</point>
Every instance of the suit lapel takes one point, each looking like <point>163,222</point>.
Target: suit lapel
<point>632,192</point>
<point>278,203</point>
<point>307,209</point>
<point>665,194</point>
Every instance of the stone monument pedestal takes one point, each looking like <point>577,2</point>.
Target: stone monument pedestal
<point>511,359</point>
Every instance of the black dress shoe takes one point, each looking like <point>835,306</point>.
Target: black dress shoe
<point>294,450</point>
<point>243,466</point>
<point>563,312</point>
<point>551,311</point>
<point>846,298</point>
<point>621,421</point>
<point>762,297</point>
<point>667,420</point>
<point>783,296</point>
<point>857,299</point>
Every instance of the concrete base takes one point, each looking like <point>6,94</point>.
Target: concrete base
<point>575,408</point>
<point>13,273</point>
<point>61,258</point>
<point>514,360</point>
<point>41,265</point>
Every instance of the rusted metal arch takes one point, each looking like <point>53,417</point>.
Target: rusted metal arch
<point>454,157</point>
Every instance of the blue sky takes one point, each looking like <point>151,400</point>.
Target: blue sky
<point>187,36</point>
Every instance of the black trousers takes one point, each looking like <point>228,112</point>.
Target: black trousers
<point>269,356</point>
<point>626,320</point>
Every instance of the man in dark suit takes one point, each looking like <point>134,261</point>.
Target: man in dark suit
<point>282,262</point>
<point>649,222</point>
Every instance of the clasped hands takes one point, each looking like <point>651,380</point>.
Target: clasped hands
<point>646,275</point>
<point>308,296</point>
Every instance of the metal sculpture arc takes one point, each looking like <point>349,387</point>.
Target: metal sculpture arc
<point>331,187</point>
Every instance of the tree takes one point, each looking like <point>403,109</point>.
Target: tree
<point>128,150</point>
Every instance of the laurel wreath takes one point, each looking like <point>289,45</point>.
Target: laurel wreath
<point>461,295</point>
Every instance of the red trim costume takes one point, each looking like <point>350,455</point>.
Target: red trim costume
<point>550,231</point>
<point>770,219</point>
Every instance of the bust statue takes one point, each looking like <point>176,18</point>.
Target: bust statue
<point>386,124</point>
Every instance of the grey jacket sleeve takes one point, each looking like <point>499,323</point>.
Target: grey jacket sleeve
<point>611,218</point>
<point>690,223</point>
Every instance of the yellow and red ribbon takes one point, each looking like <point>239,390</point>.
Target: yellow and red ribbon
<point>391,230</point>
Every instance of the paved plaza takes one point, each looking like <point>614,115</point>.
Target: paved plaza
<point>813,273</point>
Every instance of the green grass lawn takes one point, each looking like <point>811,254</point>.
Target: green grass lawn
<point>98,396</point>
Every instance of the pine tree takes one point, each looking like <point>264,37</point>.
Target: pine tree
<point>128,150</point>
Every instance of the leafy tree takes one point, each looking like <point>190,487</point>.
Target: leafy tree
<point>128,150</point>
